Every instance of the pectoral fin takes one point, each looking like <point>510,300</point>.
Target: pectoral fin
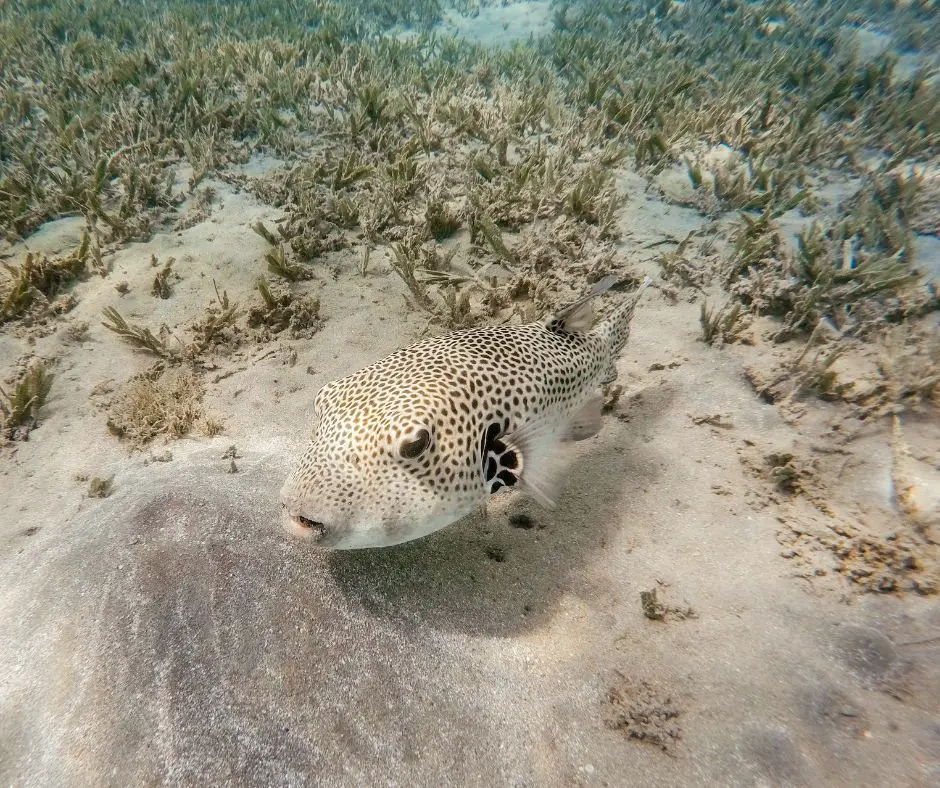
<point>527,459</point>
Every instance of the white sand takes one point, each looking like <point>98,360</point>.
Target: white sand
<point>177,612</point>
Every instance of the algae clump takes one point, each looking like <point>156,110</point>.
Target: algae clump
<point>160,402</point>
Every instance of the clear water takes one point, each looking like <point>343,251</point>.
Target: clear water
<point>208,210</point>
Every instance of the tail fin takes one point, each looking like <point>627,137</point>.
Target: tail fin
<point>615,328</point>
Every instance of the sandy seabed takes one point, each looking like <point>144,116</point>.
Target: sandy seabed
<point>172,633</point>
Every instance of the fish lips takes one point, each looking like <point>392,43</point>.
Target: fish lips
<point>303,527</point>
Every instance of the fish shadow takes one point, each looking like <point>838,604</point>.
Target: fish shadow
<point>506,572</point>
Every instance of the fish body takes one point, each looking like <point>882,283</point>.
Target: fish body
<point>421,438</point>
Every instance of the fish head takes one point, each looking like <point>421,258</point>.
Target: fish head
<point>378,471</point>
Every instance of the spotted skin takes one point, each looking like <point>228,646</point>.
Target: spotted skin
<point>417,440</point>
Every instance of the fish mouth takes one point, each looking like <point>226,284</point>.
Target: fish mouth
<point>303,527</point>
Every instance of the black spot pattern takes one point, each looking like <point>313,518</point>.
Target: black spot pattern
<point>456,398</point>
<point>501,465</point>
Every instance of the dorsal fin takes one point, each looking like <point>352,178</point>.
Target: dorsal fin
<point>579,316</point>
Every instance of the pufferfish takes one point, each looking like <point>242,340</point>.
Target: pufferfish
<point>421,438</point>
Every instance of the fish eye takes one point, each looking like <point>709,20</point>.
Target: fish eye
<point>413,447</point>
